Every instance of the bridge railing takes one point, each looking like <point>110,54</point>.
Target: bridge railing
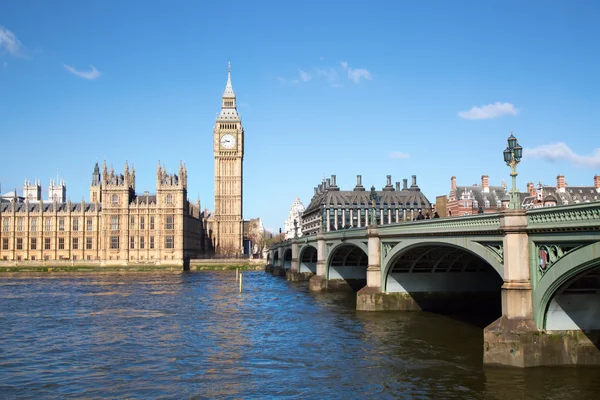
<point>575,216</point>
<point>582,215</point>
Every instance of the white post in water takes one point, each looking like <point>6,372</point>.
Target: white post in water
<point>240,282</point>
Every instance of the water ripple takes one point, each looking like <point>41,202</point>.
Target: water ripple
<point>193,335</point>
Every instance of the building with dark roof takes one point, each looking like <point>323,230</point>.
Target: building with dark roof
<point>466,200</point>
<point>560,195</point>
<point>331,208</point>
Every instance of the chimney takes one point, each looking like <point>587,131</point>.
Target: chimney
<point>453,183</point>
<point>327,183</point>
<point>531,189</point>
<point>560,183</point>
<point>359,186</point>
<point>397,186</point>
<point>597,183</point>
<point>333,180</point>
<point>485,183</point>
<point>316,191</point>
<point>320,188</point>
<point>388,183</point>
<point>404,184</point>
<point>414,181</point>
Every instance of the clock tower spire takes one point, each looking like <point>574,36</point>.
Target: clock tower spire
<point>228,148</point>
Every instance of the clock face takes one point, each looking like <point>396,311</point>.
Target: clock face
<point>227,141</point>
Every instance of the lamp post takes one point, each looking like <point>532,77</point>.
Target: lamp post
<point>295,228</point>
<point>373,198</point>
<point>512,156</point>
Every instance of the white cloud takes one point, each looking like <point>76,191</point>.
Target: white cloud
<point>9,42</point>
<point>398,155</point>
<point>561,152</point>
<point>284,81</point>
<point>489,111</point>
<point>91,75</point>
<point>355,75</point>
<point>305,76</point>
<point>330,75</point>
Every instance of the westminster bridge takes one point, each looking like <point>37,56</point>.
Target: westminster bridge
<point>539,268</point>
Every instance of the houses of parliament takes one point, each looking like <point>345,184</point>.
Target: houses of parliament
<point>120,226</point>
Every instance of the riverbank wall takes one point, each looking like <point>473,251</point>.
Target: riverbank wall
<point>114,266</point>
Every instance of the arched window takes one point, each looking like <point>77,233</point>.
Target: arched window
<point>170,199</point>
<point>115,199</point>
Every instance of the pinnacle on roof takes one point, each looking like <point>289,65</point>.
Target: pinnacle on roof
<point>228,88</point>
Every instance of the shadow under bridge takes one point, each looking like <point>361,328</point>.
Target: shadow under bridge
<point>445,279</point>
<point>308,260</point>
<point>347,268</point>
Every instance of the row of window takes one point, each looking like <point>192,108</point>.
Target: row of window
<point>114,223</point>
<point>47,244</point>
<point>114,243</point>
<point>47,224</point>
<point>115,199</point>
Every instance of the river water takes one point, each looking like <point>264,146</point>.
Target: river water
<point>193,335</point>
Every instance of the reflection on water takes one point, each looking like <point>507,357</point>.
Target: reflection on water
<point>192,335</point>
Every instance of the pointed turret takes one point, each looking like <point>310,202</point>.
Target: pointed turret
<point>96,176</point>
<point>229,93</point>
<point>96,186</point>
<point>228,106</point>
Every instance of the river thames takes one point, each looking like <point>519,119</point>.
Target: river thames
<point>193,335</point>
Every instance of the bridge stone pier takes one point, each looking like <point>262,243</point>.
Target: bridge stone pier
<point>535,274</point>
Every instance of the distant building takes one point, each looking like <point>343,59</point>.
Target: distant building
<point>333,209</point>
<point>441,206</point>
<point>295,214</point>
<point>467,200</point>
<point>254,237</point>
<point>561,194</point>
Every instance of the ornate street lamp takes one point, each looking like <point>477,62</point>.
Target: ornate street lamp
<point>373,198</point>
<point>295,228</point>
<point>512,156</point>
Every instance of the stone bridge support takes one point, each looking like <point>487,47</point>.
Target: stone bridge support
<point>294,266</point>
<point>278,264</point>
<point>319,281</point>
<point>294,273</point>
<point>370,295</point>
<point>269,265</point>
<point>513,339</point>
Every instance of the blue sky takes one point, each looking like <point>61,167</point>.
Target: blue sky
<point>428,88</point>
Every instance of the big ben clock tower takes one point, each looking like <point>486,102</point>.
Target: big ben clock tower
<point>228,141</point>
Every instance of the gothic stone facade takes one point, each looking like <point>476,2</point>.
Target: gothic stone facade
<point>228,139</point>
<point>116,226</point>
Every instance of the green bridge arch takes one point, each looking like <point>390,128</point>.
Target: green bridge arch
<point>337,244</point>
<point>565,269</point>
<point>470,246</point>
